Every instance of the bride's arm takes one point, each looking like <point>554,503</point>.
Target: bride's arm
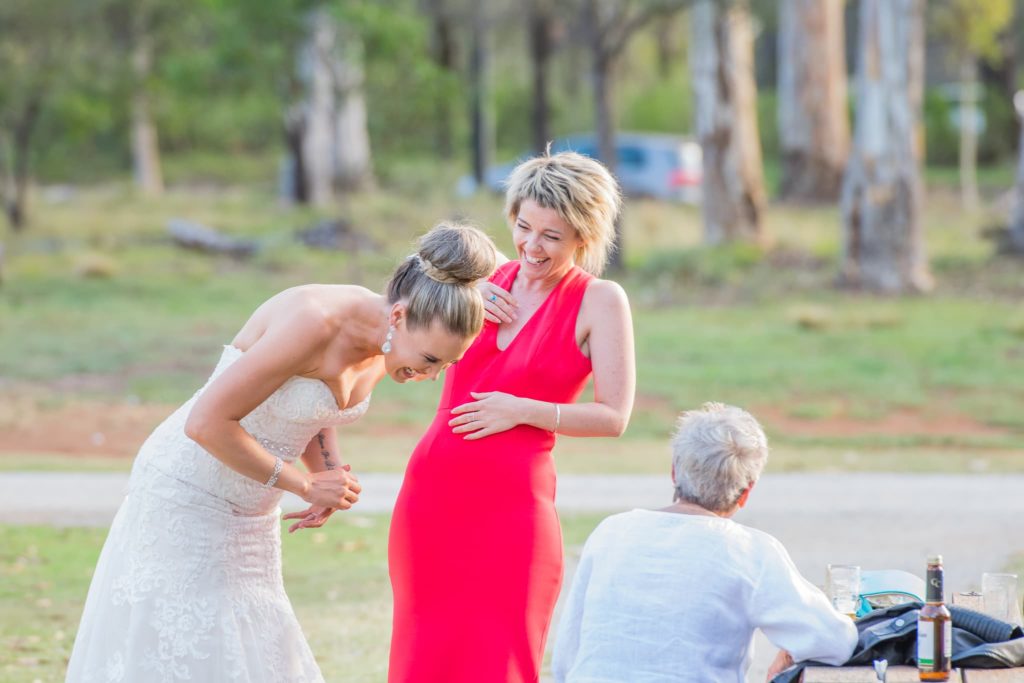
<point>322,452</point>
<point>290,346</point>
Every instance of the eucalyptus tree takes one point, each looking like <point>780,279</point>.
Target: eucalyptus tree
<point>46,49</point>
<point>814,131</point>
<point>607,26</point>
<point>725,103</point>
<point>883,245</point>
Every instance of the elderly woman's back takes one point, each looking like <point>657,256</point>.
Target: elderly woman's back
<point>676,594</point>
<point>660,596</point>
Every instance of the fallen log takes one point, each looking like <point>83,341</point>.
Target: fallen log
<point>202,238</point>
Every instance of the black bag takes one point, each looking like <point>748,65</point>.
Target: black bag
<point>979,641</point>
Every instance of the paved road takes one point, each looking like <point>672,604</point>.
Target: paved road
<point>874,520</point>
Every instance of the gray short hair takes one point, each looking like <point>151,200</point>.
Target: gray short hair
<point>717,453</point>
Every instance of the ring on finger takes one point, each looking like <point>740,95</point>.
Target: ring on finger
<point>492,298</point>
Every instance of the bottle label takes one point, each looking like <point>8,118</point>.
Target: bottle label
<point>926,638</point>
<point>926,645</point>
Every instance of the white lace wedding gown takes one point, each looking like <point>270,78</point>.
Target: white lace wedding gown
<point>188,586</point>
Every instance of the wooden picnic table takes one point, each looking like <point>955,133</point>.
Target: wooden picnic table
<point>907,674</point>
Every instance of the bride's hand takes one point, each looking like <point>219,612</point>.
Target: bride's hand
<point>313,517</point>
<point>333,489</point>
<point>492,412</point>
<point>499,304</point>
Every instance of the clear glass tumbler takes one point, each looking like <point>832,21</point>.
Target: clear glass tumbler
<point>1000,597</point>
<point>843,588</point>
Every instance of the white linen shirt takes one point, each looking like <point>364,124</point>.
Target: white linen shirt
<point>663,597</point>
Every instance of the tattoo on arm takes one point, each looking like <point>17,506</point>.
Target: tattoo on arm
<point>324,453</point>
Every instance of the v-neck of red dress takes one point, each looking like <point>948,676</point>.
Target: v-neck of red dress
<point>542,361</point>
<point>509,280</point>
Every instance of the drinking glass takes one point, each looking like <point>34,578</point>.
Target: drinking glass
<point>972,601</point>
<point>999,593</point>
<point>844,588</point>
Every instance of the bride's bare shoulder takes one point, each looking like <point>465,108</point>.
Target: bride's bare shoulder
<point>313,311</point>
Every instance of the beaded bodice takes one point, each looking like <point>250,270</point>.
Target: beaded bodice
<point>283,424</point>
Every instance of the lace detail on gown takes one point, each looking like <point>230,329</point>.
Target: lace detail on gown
<point>188,586</point>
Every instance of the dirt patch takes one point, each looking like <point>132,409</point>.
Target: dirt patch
<point>899,422</point>
<point>82,429</point>
<point>118,429</point>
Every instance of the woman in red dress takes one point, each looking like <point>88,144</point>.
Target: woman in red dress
<point>475,550</point>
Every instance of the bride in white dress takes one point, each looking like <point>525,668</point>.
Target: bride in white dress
<point>188,586</point>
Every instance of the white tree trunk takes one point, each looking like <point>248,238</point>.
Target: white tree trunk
<point>318,139</point>
<point>814,132</point>
<point>352,136</point>
<point>336,141</point>
<point>145,146</point>
<point>883,240</point>
<point>725,95</point>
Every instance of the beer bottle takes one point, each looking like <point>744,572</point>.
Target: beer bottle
<point>934,629</point>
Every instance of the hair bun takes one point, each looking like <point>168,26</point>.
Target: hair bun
<point>456,254</point>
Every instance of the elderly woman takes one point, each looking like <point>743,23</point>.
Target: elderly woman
<point>475,551</point>
<point>675,594</point>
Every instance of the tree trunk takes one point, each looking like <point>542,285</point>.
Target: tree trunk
<point>814,132</point>
<point>883,241</point>
<point>1016,241</point>
<point>540,57</point>
<point>666,33</point>
<point>353,170</point>
<point>16,202</point>
<point>601,62</point>
<point>318,141</point>
<point>145,147</point>
<point>444,56</point>
<point>335,146</point>
<point>968,134</point>
<point>480,96</point>
<point>721,59</point>
<point>294,134</point>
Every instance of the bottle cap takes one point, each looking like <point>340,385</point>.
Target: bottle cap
<point>935,559</point>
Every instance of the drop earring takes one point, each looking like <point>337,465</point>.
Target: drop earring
<point>386,346</point>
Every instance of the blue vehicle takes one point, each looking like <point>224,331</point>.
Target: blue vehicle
<point>654,165</point>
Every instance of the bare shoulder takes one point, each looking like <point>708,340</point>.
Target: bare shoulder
<point>602,295</point>
<point>301,310</point>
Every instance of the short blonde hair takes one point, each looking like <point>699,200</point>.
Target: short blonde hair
<point>580,190</point>
<point>717,453</point>
<point>438,282</point>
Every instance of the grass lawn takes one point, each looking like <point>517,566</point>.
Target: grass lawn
<point>99,313</point>
<point>336,577</point>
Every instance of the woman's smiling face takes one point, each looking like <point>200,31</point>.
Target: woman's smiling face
<point>544,242</point>
<point>422,353</point>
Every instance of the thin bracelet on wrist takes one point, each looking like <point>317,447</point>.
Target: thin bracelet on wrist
<point>278,464</point>
<point>558,417</point>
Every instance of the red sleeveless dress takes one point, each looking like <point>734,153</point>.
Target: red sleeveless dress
<point>475,549</point>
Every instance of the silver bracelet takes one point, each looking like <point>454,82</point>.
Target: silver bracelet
<point>278,464</point>
<point>558,418</point>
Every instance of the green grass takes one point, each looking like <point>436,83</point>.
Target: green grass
<point>98,306</point>
<point>336,577</point>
